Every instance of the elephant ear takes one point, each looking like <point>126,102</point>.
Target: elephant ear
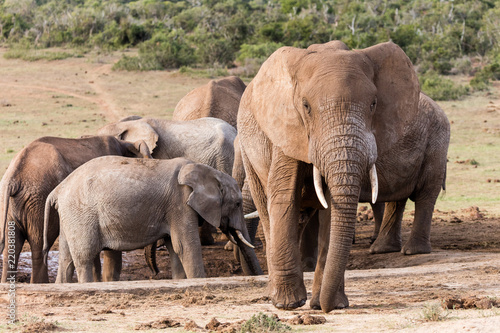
<point>206,197</point>
<point>139,149</point>
<point>397,93</point>
<point>132,131</point>
<point>271,95</point>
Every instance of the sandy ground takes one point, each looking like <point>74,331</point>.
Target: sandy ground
<point>386,291</point>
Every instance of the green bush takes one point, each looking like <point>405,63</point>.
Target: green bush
<point>482,78</point>
<point>262,323</point>
<point>258,51</point>
<point>212,50</point>
<point>440,88</point>
<point>160,52</point>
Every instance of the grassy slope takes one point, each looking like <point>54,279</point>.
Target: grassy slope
<point>76,96</point>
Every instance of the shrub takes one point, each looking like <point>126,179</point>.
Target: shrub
<point>481,80</point>
<point>441,89</point>
<point>263,323</point>
<point>212,50</point>
<point>258,51</point>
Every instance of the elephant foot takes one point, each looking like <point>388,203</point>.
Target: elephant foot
<point>416,247</point>
<point>229,246</point>
<point>340,302</point>
<point>385,245</point>
<point>287,298</point>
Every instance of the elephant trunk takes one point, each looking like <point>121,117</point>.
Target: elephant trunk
<point>246,251</point>
<point>344,203</point>
<point>343,156</point>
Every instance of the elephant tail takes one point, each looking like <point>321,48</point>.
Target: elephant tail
<point>49,204</point>
<point>150,254</point>
<point>8,189</point>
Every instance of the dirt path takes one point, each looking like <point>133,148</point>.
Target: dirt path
<point>104,98</point>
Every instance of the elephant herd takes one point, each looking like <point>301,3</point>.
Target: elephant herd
<point>315,132</point>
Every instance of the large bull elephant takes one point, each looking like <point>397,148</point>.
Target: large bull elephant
<point>218,98</point>
<point>317,120</point>
<point>30,177</point>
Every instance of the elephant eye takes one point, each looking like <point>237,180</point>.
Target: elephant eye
<point>306,105</point>
<point>238,204</point>
<point>373,105</point>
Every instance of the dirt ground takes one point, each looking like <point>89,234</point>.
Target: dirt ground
<point>387,292</point>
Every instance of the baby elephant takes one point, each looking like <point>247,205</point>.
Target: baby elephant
<point>124,204</point>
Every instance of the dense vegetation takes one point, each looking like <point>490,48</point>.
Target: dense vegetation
<point>441,37</point>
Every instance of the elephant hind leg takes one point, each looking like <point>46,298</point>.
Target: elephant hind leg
<point>66,267</point>
<point>39,270</point>
<point>84,269</point>
<point>12,251</point>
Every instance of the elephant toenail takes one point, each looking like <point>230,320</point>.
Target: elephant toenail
<point>280,305</point>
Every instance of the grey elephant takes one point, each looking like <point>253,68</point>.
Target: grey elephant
<point>124,204</point>
<point>206,140</point>
<point>323,128</point>
<point>35,171</point>
<point>218,98</point>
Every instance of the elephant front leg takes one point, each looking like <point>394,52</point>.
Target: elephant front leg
<point>389,236</point>
<point>286,284</point>
<point>420,236</point>
<point>186,244</point>
<point>175,262</point>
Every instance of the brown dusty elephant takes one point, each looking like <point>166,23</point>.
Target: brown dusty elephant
<point>430,156</point>
<point>31,176</point>
<point>317,120</point>
<point>218,98</point>
<point>123,204</point>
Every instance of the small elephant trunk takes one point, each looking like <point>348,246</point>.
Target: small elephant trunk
<point>247,252</point>
<point>150,256</point>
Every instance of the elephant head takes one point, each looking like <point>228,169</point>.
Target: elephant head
<point>318,105</point>
<point>215,196</point>
<point>132,129</point>
<point>217,199</point>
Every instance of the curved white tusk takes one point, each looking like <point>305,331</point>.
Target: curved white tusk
<point>252,215</point>
<point>231,239</point>
<point>318,186</point>
<point>247,243</point>
<point>374,183</point>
